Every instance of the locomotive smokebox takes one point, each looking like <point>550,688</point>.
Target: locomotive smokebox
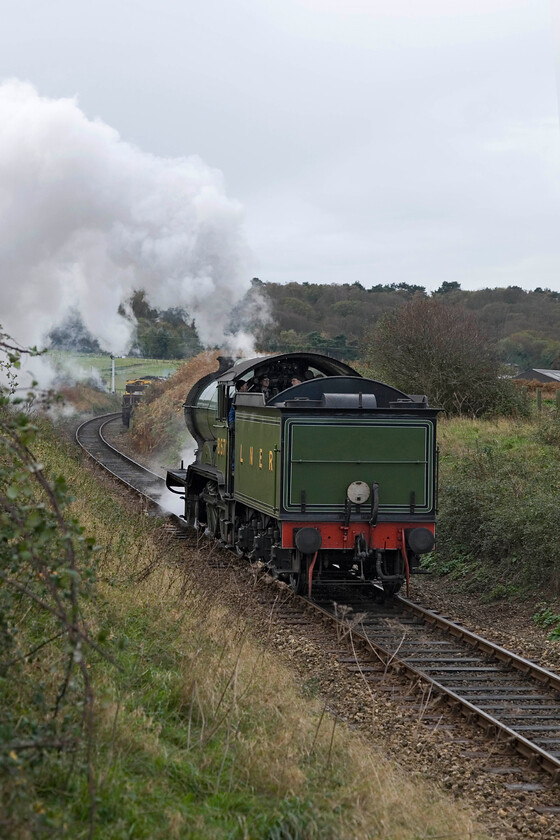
<point>420,540</point>
<point>308,540</point>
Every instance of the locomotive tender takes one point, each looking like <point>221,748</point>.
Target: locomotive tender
<point>312,469</point>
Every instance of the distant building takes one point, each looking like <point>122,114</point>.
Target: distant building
<point>539,374</point>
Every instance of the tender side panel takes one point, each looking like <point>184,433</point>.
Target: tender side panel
<point>322,456</point>
<point>257,459</point>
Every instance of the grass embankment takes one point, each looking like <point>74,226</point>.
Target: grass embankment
<point>158,424</point>
<point>200,732</point>
<point>83,399</point>
<point>499,496</point>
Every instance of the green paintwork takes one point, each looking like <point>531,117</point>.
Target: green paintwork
<point>205,412</point>
<point>221,432</point>
<point>256,484</point>
<point>208,455</point>
<point>323,455</point>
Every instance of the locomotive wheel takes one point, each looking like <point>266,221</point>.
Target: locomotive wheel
<point>391,589</point>
<point>212,511</point>
<point>226,535</point>
<point>213,520</point>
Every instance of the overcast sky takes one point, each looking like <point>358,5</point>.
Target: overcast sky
<point>376,141</point>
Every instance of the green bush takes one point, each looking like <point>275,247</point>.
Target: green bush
<point>498,516</point>
<point>47,573</point>
<point>547,429</point>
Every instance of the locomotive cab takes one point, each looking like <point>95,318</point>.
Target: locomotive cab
<point>312,469</point>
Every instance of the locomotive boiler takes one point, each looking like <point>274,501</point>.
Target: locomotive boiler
<point>312,469</point>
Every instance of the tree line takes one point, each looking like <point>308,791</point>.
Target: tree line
<point>160,334</point>
<point>522,327</point>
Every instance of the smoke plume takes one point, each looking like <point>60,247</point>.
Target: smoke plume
<point>86,218</point>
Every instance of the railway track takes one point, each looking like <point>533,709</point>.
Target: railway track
<point>509,696</point>
<point>90,436</point>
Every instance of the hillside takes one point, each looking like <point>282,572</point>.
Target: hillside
<point>524,327</point>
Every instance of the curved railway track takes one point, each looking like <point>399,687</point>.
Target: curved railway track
<point>508,695</point>
<point>90,436</point>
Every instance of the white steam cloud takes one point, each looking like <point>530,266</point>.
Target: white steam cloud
<point>86,218</point>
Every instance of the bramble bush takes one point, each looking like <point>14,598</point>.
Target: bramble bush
<point>497,522</point>
<point>47,569</point>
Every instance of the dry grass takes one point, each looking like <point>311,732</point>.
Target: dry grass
<point>548,389</point>
<point>85,399</point>
<point>244,719</point>
<point>158,420</point>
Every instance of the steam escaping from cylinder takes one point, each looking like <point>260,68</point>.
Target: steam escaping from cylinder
<point>86,218</point>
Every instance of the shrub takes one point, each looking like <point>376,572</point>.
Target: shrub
<point>547,429</point>
<point>430,347</point>
<point>47,570</point>
<point>498,516</point>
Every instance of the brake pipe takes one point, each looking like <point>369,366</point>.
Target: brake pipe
<point>310,573</point>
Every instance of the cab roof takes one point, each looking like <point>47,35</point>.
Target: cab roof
<point>324,364</point>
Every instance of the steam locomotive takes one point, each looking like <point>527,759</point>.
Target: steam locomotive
<point>312,469</point>
<point>133,391</point>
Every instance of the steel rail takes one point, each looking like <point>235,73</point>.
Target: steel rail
<point>502,654</point>
<point>89,435</point>
<point>398,663</point>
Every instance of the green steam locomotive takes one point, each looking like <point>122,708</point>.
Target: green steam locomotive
<point>312,469</point>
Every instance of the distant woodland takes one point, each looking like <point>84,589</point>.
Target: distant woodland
<point>338,319</point>
<point>524,327</point>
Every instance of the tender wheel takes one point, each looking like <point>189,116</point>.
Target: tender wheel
<point>297,581</point>
<point>391,589</point>
<point>243,548</point>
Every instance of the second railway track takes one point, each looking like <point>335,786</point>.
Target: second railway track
<point>511,697</point>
